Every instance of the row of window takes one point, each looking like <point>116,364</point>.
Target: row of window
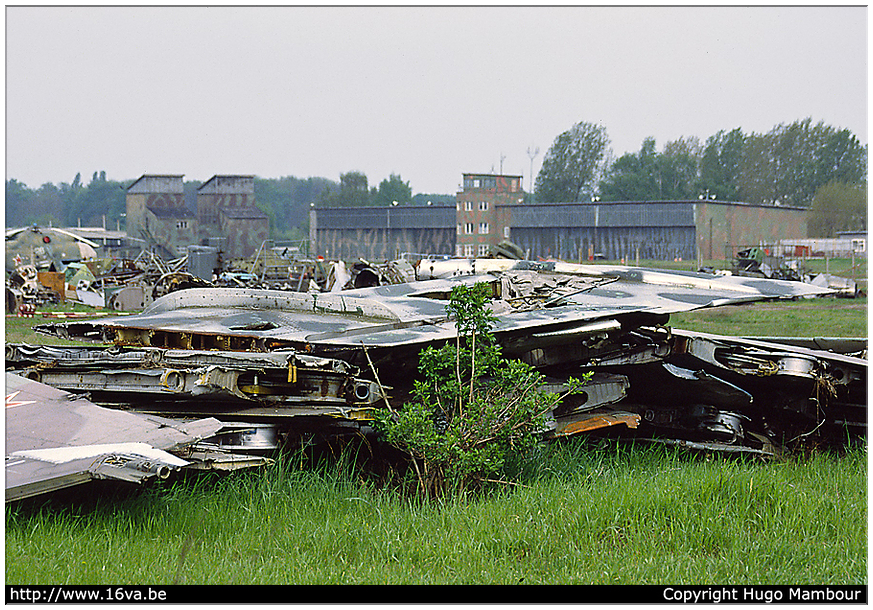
<point>488,183</point>
<point>469,250</point>
<point>477,183</point>
<point>468,206</point>
<point>467,228</point>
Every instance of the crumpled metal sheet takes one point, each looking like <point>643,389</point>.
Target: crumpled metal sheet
<point>413,314</point>
<point>55,440</point>
<point>579,423</point>
<point>651,381</point>
<point>278,384</point>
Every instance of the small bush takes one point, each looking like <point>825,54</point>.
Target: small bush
<point>473,411</point>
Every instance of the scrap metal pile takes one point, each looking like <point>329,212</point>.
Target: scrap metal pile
<point>117,284</point>
<point>279,357</point>
<point>757,262</point>
<point>293,364</point>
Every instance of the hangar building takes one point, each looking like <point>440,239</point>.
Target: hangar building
<point>490,208</point>
<point>383,232</point>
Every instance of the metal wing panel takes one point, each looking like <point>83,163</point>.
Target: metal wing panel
<point>54,440</point>
<point>565,295</point>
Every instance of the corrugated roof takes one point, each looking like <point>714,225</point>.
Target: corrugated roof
<point>394,217</point>
<point>661,202</point>
<point>224,182</point>
<point>178,186</point>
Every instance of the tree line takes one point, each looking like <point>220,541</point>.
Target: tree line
<point>799,164</point>
<point>286,200</point>
<point>67,204</point>
<point>103,202</point>
<point>802,164</point>
<point>353,191</point>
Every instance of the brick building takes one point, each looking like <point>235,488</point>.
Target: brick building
<point>243,229</point>
<point>226,209</point>
<point>157,214</point>
<point>482,206</point>
<point>173,229</point>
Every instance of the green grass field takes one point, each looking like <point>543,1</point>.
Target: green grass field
<point>828,317</point>
<point>590,513</point>
<point>605,514</point>
<point>18,329</point>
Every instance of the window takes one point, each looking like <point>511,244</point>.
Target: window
<point>182,224</point>
<point>459,228</point>
<point>476,183</point>
<point>505,232</point>
<point>459,250</point>
<point>468,228</point>
<point>483,249</point>
<point>483,206</point>
<point>468,250</point>
<point>483,228</point>
<point>859,245</point>
<point>468,206</point>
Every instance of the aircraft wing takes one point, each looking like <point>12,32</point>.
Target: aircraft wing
<point>322,361</point>
<point>10,233</point>
<point>56,440</point>
<point>414,313</point>
<point>78,238</point>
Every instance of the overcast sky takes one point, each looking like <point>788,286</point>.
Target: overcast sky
<point>424,92</point>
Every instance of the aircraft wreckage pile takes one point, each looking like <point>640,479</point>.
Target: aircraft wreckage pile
<point>263,367</point>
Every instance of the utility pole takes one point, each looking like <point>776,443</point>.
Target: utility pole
<point>532,154</point>
<point>502,157</point>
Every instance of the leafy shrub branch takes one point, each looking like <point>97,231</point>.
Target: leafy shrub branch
<point>473,411</point>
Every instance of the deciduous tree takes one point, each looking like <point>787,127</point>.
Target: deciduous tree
<point>652,176</point>
<point>632,176</point>
<point>19,200</point>
<point>390,190</point>
<point>721,163</point>
<point>791,162</point>
<point>574,164</point>
<point>473,410</point>
<point>837,207</point>
<point>353,191</point>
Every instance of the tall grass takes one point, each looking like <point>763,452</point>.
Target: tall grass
<point>607,513</point>
<point>586,513</point>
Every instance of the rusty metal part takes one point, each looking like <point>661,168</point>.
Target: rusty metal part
<point>589,421</point>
